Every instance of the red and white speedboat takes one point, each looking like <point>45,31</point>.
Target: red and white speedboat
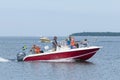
<point>82,53</point>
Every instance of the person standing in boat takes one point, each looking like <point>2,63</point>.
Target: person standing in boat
<point>55,43</point>
<point>71,42</point>
<point>68,40</point>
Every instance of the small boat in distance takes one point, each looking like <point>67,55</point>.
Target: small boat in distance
<point>44,39</point>
<point>83,53</point>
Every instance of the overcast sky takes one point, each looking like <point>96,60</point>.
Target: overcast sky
<point>58,17</point>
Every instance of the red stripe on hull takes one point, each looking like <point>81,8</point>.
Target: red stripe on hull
<point>85,57</point>
<point>78,54</point>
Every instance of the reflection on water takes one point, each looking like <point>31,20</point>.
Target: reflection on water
<point>58,70</point>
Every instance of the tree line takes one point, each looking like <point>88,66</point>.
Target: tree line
<point>96,34</point>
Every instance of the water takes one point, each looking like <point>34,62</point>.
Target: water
<point>102,66</point>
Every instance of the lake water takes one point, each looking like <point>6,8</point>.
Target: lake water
<point>104,65</point>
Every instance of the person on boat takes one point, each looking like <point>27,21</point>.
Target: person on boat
<point>55,43</point>
<point>72,43</point>
<point>84,43</point>
<point>68,40</point>
<point>35,49</point>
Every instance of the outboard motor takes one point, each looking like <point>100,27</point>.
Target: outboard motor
<point>20,56</point>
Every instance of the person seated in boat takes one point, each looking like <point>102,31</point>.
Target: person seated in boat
<point>35,49</point>
<point>72,43</point>
<point>55,43</point>
<point>84,43</point>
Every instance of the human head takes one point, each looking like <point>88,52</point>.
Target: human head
<point>55,37</point>
<point>70,37</point>
<point>34,45</point>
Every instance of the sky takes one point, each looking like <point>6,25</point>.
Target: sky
<point>58,17</point>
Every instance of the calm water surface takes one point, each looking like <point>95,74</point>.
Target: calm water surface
<point>105,65</point>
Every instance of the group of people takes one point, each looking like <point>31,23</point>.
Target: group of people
<point>70,42</point>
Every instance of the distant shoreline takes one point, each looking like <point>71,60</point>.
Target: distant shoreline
<point>96,34</point>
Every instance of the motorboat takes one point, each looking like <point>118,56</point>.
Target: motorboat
<point>82,53</point>
<point>44,39</point>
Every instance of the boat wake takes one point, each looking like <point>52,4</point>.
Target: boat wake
<point>4,60</point>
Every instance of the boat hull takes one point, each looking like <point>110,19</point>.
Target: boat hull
<point>79,53</point>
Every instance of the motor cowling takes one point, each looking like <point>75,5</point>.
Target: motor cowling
<point>20,56</point>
